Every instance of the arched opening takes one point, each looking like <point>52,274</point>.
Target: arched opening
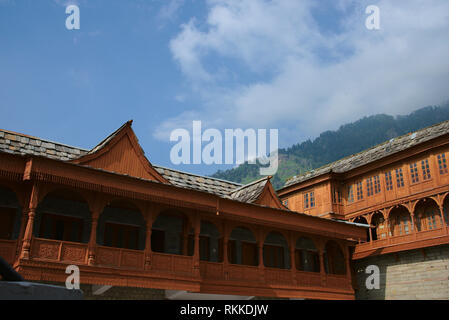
<point>242,247</point>
<point>363,220</point>
<point>121,225</point>
<point>275,251</point>
<point>9,214</point>
<point>306,255</point>
<point>400,221</point>
<point>334,259</point>
<point>427,215</point>
<point>211,245</point>
<point>446,209</point>
<point>379,230</point>
<point>63,215</point>
<point>172,233</point>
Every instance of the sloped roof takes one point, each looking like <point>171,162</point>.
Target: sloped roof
<point>249,192</point>
<point>18,143</point>
<point>197,182</point>
<point>375,153</point>
<point>21,144</point>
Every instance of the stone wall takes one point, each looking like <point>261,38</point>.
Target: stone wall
<point>415,275</point>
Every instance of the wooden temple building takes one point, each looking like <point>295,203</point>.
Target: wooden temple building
<point>401,189</point>
<point>132,225</point>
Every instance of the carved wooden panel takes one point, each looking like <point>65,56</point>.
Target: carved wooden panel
<point>45,249</point>
<point>108,256</point>
<point>278,276</point>
<point>132,259</point>
<point>74,253</point>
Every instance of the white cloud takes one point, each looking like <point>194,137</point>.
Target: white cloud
<point>401,67</point>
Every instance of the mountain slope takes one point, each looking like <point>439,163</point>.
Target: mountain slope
<point>333,145</point>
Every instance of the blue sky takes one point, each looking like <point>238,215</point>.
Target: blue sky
<point>298,66</point>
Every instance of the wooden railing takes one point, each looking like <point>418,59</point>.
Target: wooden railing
<point>408,239</point>
<point>120,258</point>
<point>59,251</point>
<point>308,279</point>
<point>8,250</point>
<point>172,263</point>
<point>173,266</point>
<point>278,276</point>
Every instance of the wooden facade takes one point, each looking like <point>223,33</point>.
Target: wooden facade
<point>124,223</point>
<point>403,195</point>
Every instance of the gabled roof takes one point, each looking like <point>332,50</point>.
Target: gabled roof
<point>121,152</point>
<point>111,148</point>
<point>375,153</point>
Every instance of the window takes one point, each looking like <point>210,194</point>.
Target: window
<point>414,172</point>
<point>399,178</point>
<point>425,169</point>
<point>369,187</point>
<point>285,202</point>
<point>442,163</point>
<point>388,181</point>
<point>359,191</point>
<point>376,184</point>
<point>61,228</point>
<point>350,194</point>
<point>309,200</point>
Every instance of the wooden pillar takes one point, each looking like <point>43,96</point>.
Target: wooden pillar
<point>23,223</point>
<point>92,247</point>
<point>26,247</point>
<point>225,250</point>
<point>322,270</point>
<point>292,246</point>
<point>443,222</point>
<point>196,248</point>
<point>260,243</point>
<point>185,236</point>
<point>149,214</point>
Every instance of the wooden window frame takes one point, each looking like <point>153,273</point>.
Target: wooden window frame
<point>442,165</point>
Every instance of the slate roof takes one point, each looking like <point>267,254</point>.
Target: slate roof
<point>375,153</point>
<point>249,192</point>
<point>18,143</point>
<point>21,144</point>
<point>192,181</point>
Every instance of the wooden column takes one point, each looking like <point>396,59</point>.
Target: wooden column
<point>185,236</point>
<point>149,225</point>
<point>23,223</point>
<point>26,247</point>
<point>292,246</point>
<point>260,243</point>
<point>443,222</point>
<point>225,250</point>
<point>322,270</point>
<point>92,247</point>
<point>196,248</point>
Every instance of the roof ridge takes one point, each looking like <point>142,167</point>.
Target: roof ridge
<point>364,151</point>
<point>250,184</point>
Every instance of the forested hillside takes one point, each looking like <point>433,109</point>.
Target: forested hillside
<point>332,145</point>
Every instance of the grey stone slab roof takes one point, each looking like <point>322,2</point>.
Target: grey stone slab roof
<point>249,192</point>
<point>197,182</point>
<point>21,144</point>
<point>375,153</point>
<point>18,143</point>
